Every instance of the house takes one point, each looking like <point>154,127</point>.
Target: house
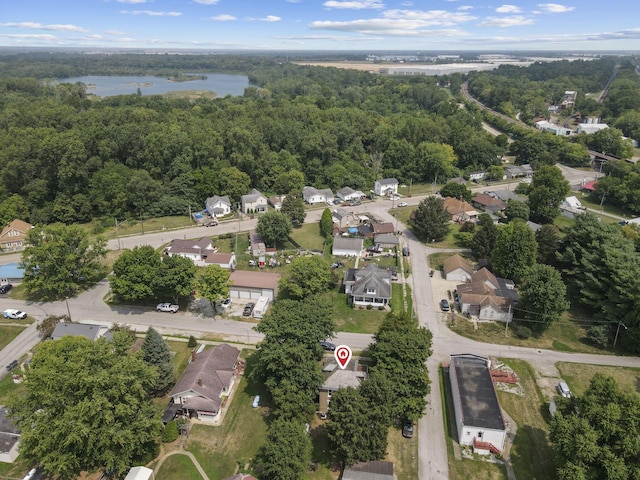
<point>313,195</point>
<point>92,332</point>
<point>14,235</point>
<point>251,285</point>
<point>487,297</point>
<point>9,438</point>
<point>201,253</point>
<point>336,378</point>
<point>386,186</point>
<point>546,126</point>
<point>370,285</point>
<point>206,382</point>
<point>571,207</point>
<point>347,247</point>
<point>11,273</point>
<point>572,202</point>
<point>517,171</point>
<point>348,194</point>
<point>591,125</point>
<point>386,227</point>
<point>460,210</point>
<point>375,470</point>
<point>344,219</point>
<point>140,473</point>
<point>476,409</point>
<point>276,202</point>
<point>218,206</point>
<point>477,175</point>
<point>488,203</point>
<point>254,202</point>
<point>505,195</point>
<point>386,240</point>
<point>457,268</point>
<point>568,100</point>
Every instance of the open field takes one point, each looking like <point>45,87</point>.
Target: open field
<point>578,376</point>
<point>178,467</point>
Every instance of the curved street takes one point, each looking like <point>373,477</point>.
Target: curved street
<point>90,307</point>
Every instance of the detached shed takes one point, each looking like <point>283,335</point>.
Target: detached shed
<point>140,473</point>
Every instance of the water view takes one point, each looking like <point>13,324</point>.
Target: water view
<point>106,86</point>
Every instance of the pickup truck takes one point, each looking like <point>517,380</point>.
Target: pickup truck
<point>14,314</point>
<point>167,307</point>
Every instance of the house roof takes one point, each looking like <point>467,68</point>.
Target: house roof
<point>352,376</point>
<point>11,270</point>
<point>488,201</point>
<point>92,332</point>
<point>370,278</point>
<point>251,279</point>
<point>139,473</point>
<point>376,470</point>
<point>345,243</point>
<point>387,181</point>
<point>310,191</point>
<point>207,376</point>
<point>590,186</point>
<point>339,213</point>
<point>504,195</point>
<point>456,261</point>
<point>573,202</point>
<point>455,206</point>
<point>216,200</point>
<point>480,407</point>
<point>458,180</point>
<point>386,227</point>
<point>193,246</point>
<point>18,225</point>
<point>386,239</point>
<point>344,191</point>
<point>485,288</point>
<point>252,197</point>
<point>219,258</point>
<point>276,200</point>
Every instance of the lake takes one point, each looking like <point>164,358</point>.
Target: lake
<point>106,86</point>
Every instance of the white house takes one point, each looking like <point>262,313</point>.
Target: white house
<point>591,125</point>
<point>218,206</point>
<point>457,268</point>
<point>572,202</point>
<point>347,247</point>
<point>201,253</point>
<point>254,202</point>
<point>368,286</point>
<point>476,409</point>
<point>206,382</point>
<point>386,186</point>
<point>348,194</point>
<point>477,175</point>
<point>313,195</point>
<point>487,297</point>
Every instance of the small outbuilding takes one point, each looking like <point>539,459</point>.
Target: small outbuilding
<point>375,470</point>
<point>347,247</point>
<point>252,285</point>
<point>140,473</point>
<point>457,268</point>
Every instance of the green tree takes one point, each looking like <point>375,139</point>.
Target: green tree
<point>548,190</point>
<point>170,432</point>
<point>431,221</point>
<point>483,240</point>
<point>175,277</point>
<point>326,224</point>
<point>11,208</point>
<point>85,407</point>
<point>514,251</point>
<point>286,453</point>
<point>212,283</point>
<point>548,239</point>
<point>274,228</point>
<point>307,276</point>
<point>156,353</point>
<point>293,207</point>
<point>543,297</point>
<point>516,209</point>
<point>456,190</point>
<point>134,274</point>
<point>59,261</point>
<point>355,433</point>
<point>596,435</point>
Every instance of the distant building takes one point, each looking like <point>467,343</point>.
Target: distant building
<point>13,237</point>
<point>591,125</point>
<point>386,186</point>
<point>553,128</point>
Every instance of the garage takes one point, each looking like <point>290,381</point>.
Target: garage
<point>251,285</point>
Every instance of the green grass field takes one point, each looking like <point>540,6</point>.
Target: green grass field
<point>178,467</point>
<point>579,375</point>
<point>308,236</point>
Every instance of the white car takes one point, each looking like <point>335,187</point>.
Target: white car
<point>225,304</point>
<point>167,307</point>
<point>14,314</point>
<point>563,389</point>
<point>402,204</point>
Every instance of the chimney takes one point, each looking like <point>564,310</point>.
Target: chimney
<point>193,355</point>
<point>200,382</point>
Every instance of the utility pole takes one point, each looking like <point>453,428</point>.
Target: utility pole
<point>142,223</point>
<point>615,340</point>
<point>66,301</point>
<point>410,183</point>
<point>506,324</point>
<point>118,235</point>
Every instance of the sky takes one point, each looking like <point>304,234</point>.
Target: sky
<point>407,25</point>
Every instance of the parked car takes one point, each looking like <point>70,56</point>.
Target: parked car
<point>167,307</point>
<point>6,288</point>
<point>14,314</point>
<point>256,401</point>
<point>402,204</point>
<point>253,263</point>
<point>248,309</point>
<point>336,265</point>
<point>563,389</point>
<point>407,429</point>
<point>225,304</point>
<point>211,223</point>
<point>405,251</point>
<point>12,365</point>
<point>328,346</point>
<point>444,305</point>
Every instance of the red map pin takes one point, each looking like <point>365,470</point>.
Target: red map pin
<point>342,355</point>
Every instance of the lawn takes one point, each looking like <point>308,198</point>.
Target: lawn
<point>136,226</point>
<point>354,320</point>
<point>220,450</point>
<point>531,453</point>
<point>9,332</point>
<point>308,237</point>
<point>567,335</point>
<point>178,467</point>
<point>8,389</point>
<point>578,376</point>
<point>403,452</point>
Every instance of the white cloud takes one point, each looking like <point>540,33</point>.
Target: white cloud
<point>331,38</point>
<point>380,26</point>
<point>115,32</point>
<point>354,4</point>
<point>505,22</point>
<point>151,13</point>
<point>508,9</point>
<point>430,17</point>
<point>271,18</point>
<point>465,8</point>
<point>562,38</point>
<point>555,8</point>
<point>39,26</point>
<point>223,18</point>
<point>207,2</point>
<point>30,36</point>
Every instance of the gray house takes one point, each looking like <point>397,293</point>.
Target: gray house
<point>218,206</point>
<point>92,332</point>
<point>254,202</point>
<point>376,470</point>
<point>370,285</point>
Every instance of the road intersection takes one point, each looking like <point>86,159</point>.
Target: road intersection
<point>90,307</point>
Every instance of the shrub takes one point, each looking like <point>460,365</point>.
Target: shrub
<point>192,342</point>
<point>521,331</point>
<point>599,335</point>
<point>170,432</point>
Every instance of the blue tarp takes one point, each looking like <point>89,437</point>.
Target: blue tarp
<point>11,270</point>
<point>353,230</point>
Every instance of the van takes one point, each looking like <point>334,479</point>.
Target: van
<point>405,251</point>
<point>261,307</point>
